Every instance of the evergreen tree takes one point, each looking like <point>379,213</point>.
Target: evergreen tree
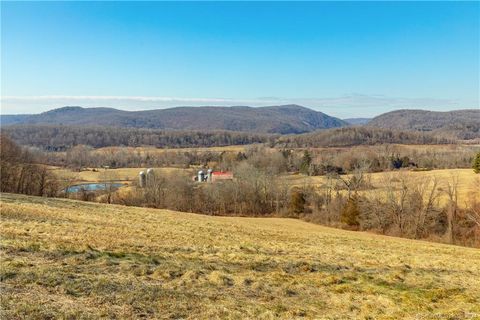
<point>306,161</point>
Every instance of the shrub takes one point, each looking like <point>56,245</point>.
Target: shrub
<point>350,213</point>
<point>297,202</point>
<point>476,163</point>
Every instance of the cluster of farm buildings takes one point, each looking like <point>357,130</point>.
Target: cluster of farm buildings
<point>202,176</point>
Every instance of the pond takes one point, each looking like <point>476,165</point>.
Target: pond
<point>93,187</point>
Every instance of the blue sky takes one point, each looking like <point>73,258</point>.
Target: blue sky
<point>348,59</point>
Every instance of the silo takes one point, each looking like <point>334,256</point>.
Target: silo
<point>149,176</point>
<point>201,176</point>
<point>142,179</point>
<point>209,175</point>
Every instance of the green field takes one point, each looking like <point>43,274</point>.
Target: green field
<point>65,259</point>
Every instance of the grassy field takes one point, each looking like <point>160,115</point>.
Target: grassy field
<point>120,174</point>
<point>242,148</point>
<point>68,259</point>
<point>468,181</point>
<point>154,150</point>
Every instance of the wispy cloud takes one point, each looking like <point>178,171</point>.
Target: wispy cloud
<point>117,99</point>
<point>373,101</point>
<point>351,105</point>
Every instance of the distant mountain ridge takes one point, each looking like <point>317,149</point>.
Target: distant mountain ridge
<point>465,124</point>
<point>9,119</point>
<point>357,121</point>
<point>284,119</point>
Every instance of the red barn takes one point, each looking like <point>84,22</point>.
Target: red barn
<point>212,176</point>
<point>219,175</point>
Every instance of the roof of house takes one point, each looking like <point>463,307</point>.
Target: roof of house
<point>220,173</point>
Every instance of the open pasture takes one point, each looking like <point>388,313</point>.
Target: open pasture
<point>70,259</point>
<point>468,181</point>
<point>118,174</point>
<point>154,150</point>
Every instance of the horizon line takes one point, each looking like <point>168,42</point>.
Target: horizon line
<point>344,106</point>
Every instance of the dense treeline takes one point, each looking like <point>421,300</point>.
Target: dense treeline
<point>82,148</point>
<point>386,157</point>
<point>20,174</point>
<point>61,138</point>
<point>82,156</point>
<point>353,136</point>
<point>310,161</point>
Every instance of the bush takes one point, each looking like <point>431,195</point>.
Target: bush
<point>20,174</point>
<point>350,213</point>
<point>297,202</point>
<point>476,163</point>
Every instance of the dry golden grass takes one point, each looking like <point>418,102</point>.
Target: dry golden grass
<point>468,181</point>
<point>155,150</point>
<point>120,174</point>
<point>70,259</point>
<point>402,149</point>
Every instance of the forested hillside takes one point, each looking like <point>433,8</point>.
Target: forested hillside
<point>276,119</point>
<point>464,124</point>
<point>63,128</point>
<point>58,138</point>
<point>357,121</point>
<point>12,119</point>
<point>344,137</point>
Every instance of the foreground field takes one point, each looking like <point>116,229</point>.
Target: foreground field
<point>70,259</point>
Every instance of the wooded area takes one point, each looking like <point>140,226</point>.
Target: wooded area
<point>405,208</point>
<point>61,138</point>
<point>21,174</point>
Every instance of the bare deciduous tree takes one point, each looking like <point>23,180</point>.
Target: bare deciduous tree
<point>452,208</point>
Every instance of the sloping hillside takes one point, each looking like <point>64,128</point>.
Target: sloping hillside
<point>353,136</point>
<point>51,137</point>
<point>464,123</point>
<point>275,119</point>
<point>12,119</point>
<point>69,259</point>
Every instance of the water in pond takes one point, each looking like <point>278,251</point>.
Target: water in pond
<point>93,187</point>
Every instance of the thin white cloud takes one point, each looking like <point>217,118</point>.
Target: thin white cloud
<point>362,100</point>
<point>128,98</point>
<point>351,105</point>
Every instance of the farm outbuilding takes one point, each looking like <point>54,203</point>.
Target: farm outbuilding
<point>213,176</point>
<point>219,175</point>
